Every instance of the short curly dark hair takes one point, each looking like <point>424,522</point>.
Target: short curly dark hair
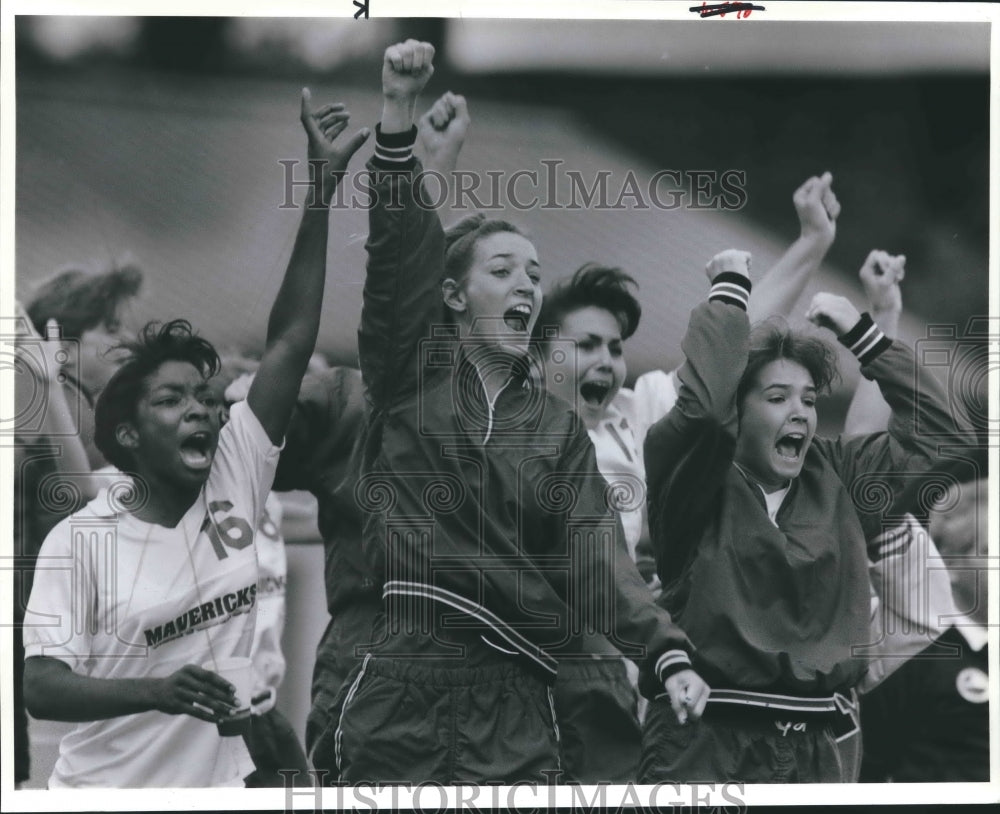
<point>594,285</point>
<point>772,340</point>
<point>156,343</point>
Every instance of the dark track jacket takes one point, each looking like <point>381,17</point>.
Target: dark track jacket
<point>777,609</point>
<point>320,455</point>
<point>496,513</point>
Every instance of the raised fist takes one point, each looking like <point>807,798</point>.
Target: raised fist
<point>880,276</point>
<point>442,132</point>
<point>834,312</point>
<point>817,208</point>
<point>406,68</point>
<point>728,260</point>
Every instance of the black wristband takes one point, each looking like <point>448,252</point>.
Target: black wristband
<point>673,661</point>
<point>394,151</point>
<point>732,288</point>
<point>865,340</point>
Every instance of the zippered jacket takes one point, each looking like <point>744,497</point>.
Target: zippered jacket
<point>496,512</point>
<point>783,606</point>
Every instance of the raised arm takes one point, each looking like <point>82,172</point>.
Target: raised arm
<point>406,246</point>
<point>442,132</point>
<point>880,277</point>
<point>921,421</point>
<point>689,451</point>
<point>294,321</point>
<point>57,424</point>
<point>817,207</point>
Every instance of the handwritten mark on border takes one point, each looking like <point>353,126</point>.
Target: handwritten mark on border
<point>741,10</point>
<point>362,6</point>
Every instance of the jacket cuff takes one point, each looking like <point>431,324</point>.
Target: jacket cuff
<point>865,340</point>
<point>673,661</point>
<point>394,151</point>
<point>731,288</point>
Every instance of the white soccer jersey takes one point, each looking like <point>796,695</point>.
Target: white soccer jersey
<point>268,660</point>
<point>618,440</point>
<point>115,597</point>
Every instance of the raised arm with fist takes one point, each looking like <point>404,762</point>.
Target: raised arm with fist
<point>406,68</point>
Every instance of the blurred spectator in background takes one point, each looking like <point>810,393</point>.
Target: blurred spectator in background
<point>929,721</point>
<point>923,711</point>
<point>53,457</point>
<point>88,308</point>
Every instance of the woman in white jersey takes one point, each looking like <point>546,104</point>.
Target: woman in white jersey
<point>137,599</point>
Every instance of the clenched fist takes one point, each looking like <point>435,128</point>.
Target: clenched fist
<point>406,68</point>
<point>729,260</point>
<point>834,312</point>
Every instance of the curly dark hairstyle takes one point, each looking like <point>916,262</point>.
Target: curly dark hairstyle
<point>594,285</point>
<point>156,343</point>
<point>772,340</point>
<point>81,301</point>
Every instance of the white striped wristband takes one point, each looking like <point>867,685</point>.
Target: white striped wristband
<point>865,340</point>
<point>732,288</point>
<point>394,151</point>
<point>673,661</point>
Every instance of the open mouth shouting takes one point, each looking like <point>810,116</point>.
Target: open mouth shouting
<point>517,318</point>
<point>594,393</point>
<point>198,449</point>
<point>791,447</point>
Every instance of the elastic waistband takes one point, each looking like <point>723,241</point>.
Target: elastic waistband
<point>436,620</point>
<point>782,704</point>
<point>456,673</point>
<point>593,669</point>
<point>767,707</point>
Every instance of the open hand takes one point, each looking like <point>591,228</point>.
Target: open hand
<point>326,156</point>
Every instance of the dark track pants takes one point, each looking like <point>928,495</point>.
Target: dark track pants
<point>735,748</point>
<point>406,721</point>
<point>596,707</point>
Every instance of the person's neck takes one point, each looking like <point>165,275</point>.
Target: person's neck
<point>766,488</point>
<point>591,417</point>
<point>166,504</point>
<point>493,382</point>
<point>493,374</point>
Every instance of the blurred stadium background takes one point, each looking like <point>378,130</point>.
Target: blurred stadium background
<point>158,139</point>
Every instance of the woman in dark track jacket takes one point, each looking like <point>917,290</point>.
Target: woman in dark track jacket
<point>760,530</point>
<point>482,493</point>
